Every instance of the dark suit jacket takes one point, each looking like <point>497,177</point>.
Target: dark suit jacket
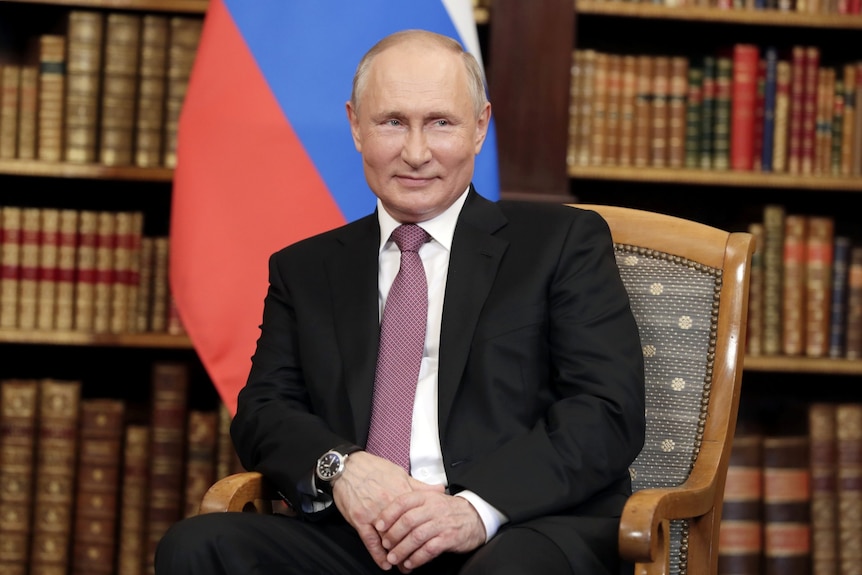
<point>541,392</point>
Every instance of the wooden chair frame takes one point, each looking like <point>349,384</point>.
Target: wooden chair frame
<point>644,527</point>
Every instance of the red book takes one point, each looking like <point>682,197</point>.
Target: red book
<point>759,115</point>
<point>809,110</point>
<point>797,96</point>
<point>743,106</point>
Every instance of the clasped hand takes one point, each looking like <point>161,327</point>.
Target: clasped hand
<point>403,522</point>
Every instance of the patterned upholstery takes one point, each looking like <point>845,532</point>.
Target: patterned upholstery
<point>675,303</point>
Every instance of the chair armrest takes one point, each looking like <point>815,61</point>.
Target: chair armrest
<point>246,491</point>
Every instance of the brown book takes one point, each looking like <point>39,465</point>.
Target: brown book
<point>184,35</point>
<point>28,104</point>
<point>793,285</point>
<point>200,458</point>
<point>10,258</point>
<point>659,128</point>
<point>133,500</point>
<point>754,333</point>
<point>677,111</point>
<point>97,487</point>
<point>56,450</point>
<point>67,247</point>
<point>797,104</point>
<point>144,304</point>
<point>818,280</point>
<point>614,104</point>
<point>170,383</point>
<point>106,240</point>
<point>586,95</point>
<point>848,119</point>
<point>10,85</point>
<point>85,30</point>
<point>599,132</point>
<point>740,542</point>
<point>46,289</point>
<point>122,268</point>
<point>781,132</point>
<point>848,430</point>
<point>823,123</point>
<point>160,291</point>
<point>773,255</point>
<point>28,285</point>
<point>854,304</point>
<point>18,420</point>
<point>723,104</point>
<point>150,113</point>
<point>627,111</point>
<point>643,111</point>
<point>786,504</point>
<point>119,92</point>
<point>133,275</point>
<point>824,495</point>
<point>857,127</point>
<point>51,56</point>
<point>809,110</point>
<point>85,270</point>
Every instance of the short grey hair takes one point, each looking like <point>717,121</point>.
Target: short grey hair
<point>476,78</point>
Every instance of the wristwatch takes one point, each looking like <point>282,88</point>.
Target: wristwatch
<point>330,466</point>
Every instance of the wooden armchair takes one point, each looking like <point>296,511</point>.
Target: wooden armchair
<point>688,285</point>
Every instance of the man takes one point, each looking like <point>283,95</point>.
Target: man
<point>529,396</point>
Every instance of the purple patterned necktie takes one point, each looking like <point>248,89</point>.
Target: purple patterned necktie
<point>402,339</point>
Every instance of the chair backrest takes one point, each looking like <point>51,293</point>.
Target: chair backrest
<point>688,286</point>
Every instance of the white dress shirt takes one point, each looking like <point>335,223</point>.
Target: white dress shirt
<point>426,458</point>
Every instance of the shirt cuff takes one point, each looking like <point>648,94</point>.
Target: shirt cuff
<point>490,516</point>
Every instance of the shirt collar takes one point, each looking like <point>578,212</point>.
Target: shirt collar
<point>441,228</point>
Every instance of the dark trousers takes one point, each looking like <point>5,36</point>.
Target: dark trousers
<point>252,544</point>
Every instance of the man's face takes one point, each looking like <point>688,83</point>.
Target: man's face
<point>417,130</point>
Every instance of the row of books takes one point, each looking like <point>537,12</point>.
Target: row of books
<point>83,270</point>
<point>746,109</point>
<point>805,296</point>
<point>87,489</point>
<point>107,91</point>
<point>803,6</point>
<point>792,504</point>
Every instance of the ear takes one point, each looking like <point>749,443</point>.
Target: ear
<point>353,118</point>
<point>482,124</point>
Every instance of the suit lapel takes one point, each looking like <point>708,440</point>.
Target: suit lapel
<point>473,263</point>
<point>353,280</point>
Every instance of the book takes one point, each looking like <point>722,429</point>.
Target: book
<point>825,109</point>
<point>837,137</point>
<point>85,270</point>
<point>84,33</point>
<point>599,129</point>
<point>824,493</point>
<point>10,84</point>
<point>773,254</point>
<point>740,541</point>
<point>613,105</point>
<point>743,106</point>
<point>754,333</point>
<point>838,305</point>
<point>759,105</point>
<point>46,287</point>
<point>184,35</point>
<point>781,134</point>
<point>856,154</point>
<point>121,268</point>
<point>707,115</point>
<point>144,303</point>
<point>133,275</point>
<point>106,241</point>
<point>793,285</point>
<point>158,320</point>
<point>659,112</point>
<point>586,95</point>
<point>643,110</point>
<point>170,382</point>
<point>854,304</point>
<point>770,87</point>
<point>797,100</point>
<point>28,283</point>
<point>849,119</point>
<point>575,85</point>
<point>809,110</point>
<point>694,104</point>
<point>28,104</point>
<point>848,431</point>
<point>627,111</point>
<point>10,257</point>
<point>131,533</point>
<point>149,115</point>
<point>67,246</point>
<point>119,92</point>
<point>56,452</point>
<point>818,282</point>
<point>722,113</point>
<point>19,407</point>
<point>97,486</point>
<point>51,55</point>
<point>677,112</point>
<point>227,460</point>
<point>200,462</point>
<point>786,504</point>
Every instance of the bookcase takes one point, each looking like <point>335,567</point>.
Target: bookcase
<point>804,412</point>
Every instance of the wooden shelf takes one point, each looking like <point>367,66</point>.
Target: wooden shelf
<point>187,6</point>
<point>716,15</point>
<point>786,364</point>
<point>142,340</point>
<point>716,178</point>
<point>85,171</point>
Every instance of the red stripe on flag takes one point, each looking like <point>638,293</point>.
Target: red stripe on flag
<point>243,188</point>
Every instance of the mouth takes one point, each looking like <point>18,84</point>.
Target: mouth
<point>409,181</point>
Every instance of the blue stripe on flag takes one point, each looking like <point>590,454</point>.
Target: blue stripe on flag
<point>308,52</point>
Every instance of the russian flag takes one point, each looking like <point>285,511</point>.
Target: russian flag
<point>265,155</point>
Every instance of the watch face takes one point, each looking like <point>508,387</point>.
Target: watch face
<point>329,466</point>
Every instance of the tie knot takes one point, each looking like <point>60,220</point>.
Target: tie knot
<point>409,237</point>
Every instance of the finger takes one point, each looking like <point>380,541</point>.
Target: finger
<point>371,540</point>
<point>396,509</point>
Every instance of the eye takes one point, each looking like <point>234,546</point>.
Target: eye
<point>393,122</point>
<point>441,123</point>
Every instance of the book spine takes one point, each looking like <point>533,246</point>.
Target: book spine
<point>786,504</point>
<point>834,166</point>
<point>848,430</point>
<point>773,253</point>
<point>824,494</point>
<point>121,267</point>
<point>56,452</point>
<point>28,104</point>
<point>809,110</point>
<point>857,128</point>
<point>10,84</point>
<point>769,97</point>
<point>160,291</point>
<point>134,274</point>
<point>49,245</point>
<point>797,102</point>
<point>759,111</point>
<point>793,284</point>
<point>149,121</point>
<point>754,333</point>
<point>721,127</point>
<point>97,487</point>
<point>85,270</point>
<point>740,542</point>
<point>119,92</point>
<point>643,111</point>
<point>10,264</point>
<point>19,407</point>
<point>838,306</point>
<point>818,279</point>
<point>660,112</point>
<point>67,246</point>
<point>106,241</point>
<point>52,81</point>
<point>849,119</point>
<point>585,113</point>
<point>614,104</point>
<point>133,500</point>
<point>677,112</point>
<point>183,41</point>
<point>200,458</point>
<point>743,106</point>
<point>600,109</point>
<point>85,29</point>
<point>575,87</point>
<point>854,304</point>
<point>144,306</point>
<point>781,134</point>
<point>31,223</point>
<point>692,118</point>
<point>627,111</point>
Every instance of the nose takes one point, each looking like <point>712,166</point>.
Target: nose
<point>416,151</point>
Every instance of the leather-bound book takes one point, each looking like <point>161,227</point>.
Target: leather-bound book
<point>818,284</point>
<point>740,543</point>
<point>823,456</point>
<point>132,529</point>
